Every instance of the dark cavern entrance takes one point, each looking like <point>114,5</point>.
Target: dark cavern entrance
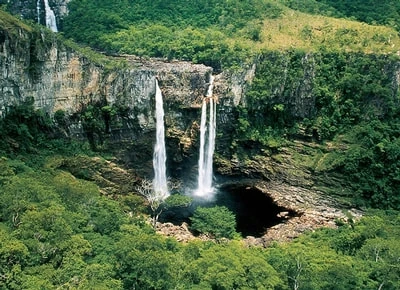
<point>255,211</point>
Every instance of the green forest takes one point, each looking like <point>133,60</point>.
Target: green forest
<point>221,34</point>
<point>62,227</point>
<point>58,231</point>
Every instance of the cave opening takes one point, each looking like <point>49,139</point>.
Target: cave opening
<point>255,211</point>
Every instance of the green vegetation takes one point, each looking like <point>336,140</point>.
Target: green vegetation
<point>220,34</point>
<point>357,256</point>
<point>356,110</point>
<point>62,228</point>
<point>95,57</point>
<point>159,203</point>
<point>385,12</point>
<point>296,30</point>
<point>58,231</point>
<point>217,222</point>
<point>24,128</point>
<point>11,24</point>
<point>369,162</point>
<point>204,31</point>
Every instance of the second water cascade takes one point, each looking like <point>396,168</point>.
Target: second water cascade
<point>207,145</point>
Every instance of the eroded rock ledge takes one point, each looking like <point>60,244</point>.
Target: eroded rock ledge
<point>314,210</point>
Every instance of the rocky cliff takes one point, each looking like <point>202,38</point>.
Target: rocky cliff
<point>36,63</point>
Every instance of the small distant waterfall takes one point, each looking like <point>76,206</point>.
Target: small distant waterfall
<point>159,156</point>
<point>207,144</point>
<point>50,17</point>
<point>38,11</point>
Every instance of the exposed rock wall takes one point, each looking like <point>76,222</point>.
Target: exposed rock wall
<point>37,64</point>
<point>40,66</point>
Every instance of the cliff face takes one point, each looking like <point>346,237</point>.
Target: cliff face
<point>38,65</point>
<point>35,63</point>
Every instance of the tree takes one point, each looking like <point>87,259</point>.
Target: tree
<point>152,197</point>
<point>158,203</point>
<point>218,222</point>
<point>146,260</point>
<point>13,256</point>
<point>231,266</point>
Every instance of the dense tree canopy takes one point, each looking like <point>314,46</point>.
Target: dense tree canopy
<point>58,231</point>
<point>218,222</point>
<point>202,31</point>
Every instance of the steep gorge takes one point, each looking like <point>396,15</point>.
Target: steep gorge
<point>59,78</point>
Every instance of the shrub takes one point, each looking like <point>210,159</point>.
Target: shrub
<point>218,222</point>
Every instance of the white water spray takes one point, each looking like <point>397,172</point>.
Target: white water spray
<point>50,17</point>
<point>207,145</point>
<point>159,157</point>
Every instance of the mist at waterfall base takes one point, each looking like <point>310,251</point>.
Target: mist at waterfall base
<point>159,156</point>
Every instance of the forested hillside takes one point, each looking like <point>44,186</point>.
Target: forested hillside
<point>221,34</point>
<point>356,119</point>
<point>71,212</point>
<point>211,32</point>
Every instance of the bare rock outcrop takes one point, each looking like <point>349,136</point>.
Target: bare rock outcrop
<point>313,210</point>
<point>180,233</point>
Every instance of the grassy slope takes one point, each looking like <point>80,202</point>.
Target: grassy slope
<point>312,32</point>
<point>11,24</point>
<point>298,30</point>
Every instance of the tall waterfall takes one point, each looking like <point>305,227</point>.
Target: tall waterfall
<point>159,157</point>
<point>207,144</point>
<point>50,17</point>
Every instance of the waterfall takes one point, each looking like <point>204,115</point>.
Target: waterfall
<point>207,144</point>
<point>50,17</point>
<point>159,156</point>
<point>38,11</point>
